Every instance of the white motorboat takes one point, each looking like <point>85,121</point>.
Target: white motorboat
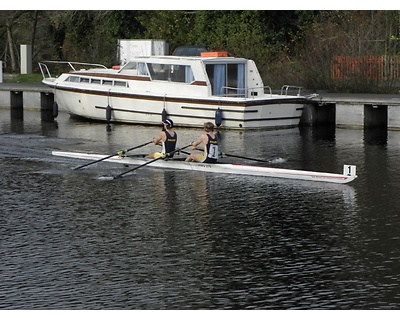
<point>349,171</point>
<point>191,90</point>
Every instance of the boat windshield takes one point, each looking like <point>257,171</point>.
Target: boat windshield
<point>136,68</point>
<point>171,72</point>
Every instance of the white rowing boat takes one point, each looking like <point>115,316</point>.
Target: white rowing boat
<point>349,171</point>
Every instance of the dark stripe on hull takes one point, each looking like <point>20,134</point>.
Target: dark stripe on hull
<point>202,116</point>
<point>215,102</point>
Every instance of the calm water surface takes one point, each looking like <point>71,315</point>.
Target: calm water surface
<point>185,240</point>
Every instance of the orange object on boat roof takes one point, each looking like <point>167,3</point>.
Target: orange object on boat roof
<point>214,54</point>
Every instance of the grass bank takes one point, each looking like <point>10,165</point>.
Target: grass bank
<point>22,78</point>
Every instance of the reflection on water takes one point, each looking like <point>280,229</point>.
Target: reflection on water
<point>190,240</point>
<point>376,135</point>
<point>322,133</point>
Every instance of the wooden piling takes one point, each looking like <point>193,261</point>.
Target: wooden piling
<point>46,106</point>
<point>375,116</point>
<point>16,105</point>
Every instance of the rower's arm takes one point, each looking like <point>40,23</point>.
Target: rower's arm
<point>161,137</point>
<point>199,141</point>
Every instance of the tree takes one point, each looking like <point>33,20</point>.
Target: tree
<point>352,34</point>
<point>21,27</point>
<point>9,25</point>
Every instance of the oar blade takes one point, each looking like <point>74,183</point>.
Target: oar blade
<point>277,160</point>
<point>105,178</point>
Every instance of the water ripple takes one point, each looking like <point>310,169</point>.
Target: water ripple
<point>184,240</point>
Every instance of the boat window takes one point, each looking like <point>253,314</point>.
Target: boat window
<point>130,66</point>
<point>72,79</point>
<point>227,79</point>
<point>135,68</point>
<point>120,83</point>
<point>95,81</point>
<point>85,80</point>
<point>142,70</point>
<point>171,72</point>
<point>107,82</point>
<point>235,80</point>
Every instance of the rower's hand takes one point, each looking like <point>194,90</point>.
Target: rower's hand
<point>122,153</point>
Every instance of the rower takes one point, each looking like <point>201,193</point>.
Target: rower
<point>167,138</point>
<point>210,141</point>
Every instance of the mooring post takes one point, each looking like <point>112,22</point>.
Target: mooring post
<point>375,115</point>
<point>1,71</point>
<point>16,104</point>
<point>46,106</point>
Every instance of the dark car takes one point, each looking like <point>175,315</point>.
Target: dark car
<point>189,51</point>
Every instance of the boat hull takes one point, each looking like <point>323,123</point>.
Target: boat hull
<point>239,169</point>
<point>274,112</point>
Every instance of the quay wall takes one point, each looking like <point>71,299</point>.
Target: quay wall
<point>31,100</point>
<point>353,110</point>
<point>31,94</point>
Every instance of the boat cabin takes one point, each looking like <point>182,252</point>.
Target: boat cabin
<point>228,77</point>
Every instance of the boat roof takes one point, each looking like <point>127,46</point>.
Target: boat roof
<point>183,58</point>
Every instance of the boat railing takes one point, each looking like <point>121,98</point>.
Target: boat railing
<point>253,92</point>
<point>285,89</point>
<point>45,71</point>
<point>244,92</point>
<point>234,92</point>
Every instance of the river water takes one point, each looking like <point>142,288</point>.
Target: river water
<point>190,240</point>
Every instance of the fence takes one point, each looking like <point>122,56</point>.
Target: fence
<point>378,68</point>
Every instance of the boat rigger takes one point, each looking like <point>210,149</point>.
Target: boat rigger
<point>348,175</point>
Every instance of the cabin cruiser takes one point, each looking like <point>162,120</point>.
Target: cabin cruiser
<point>226,90</point>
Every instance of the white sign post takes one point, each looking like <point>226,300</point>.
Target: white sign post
<point>26,59</point>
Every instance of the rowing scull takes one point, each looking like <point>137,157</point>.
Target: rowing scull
<point>349,171</point>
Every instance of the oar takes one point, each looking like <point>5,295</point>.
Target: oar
<point>112,155</point>
<point>222,154</point>
<point>151,161</point>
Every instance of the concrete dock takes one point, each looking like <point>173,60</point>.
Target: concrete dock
<point>30,94</point>
<point>341,110</point>
<point>18,96</point>
<point>353,110</point>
